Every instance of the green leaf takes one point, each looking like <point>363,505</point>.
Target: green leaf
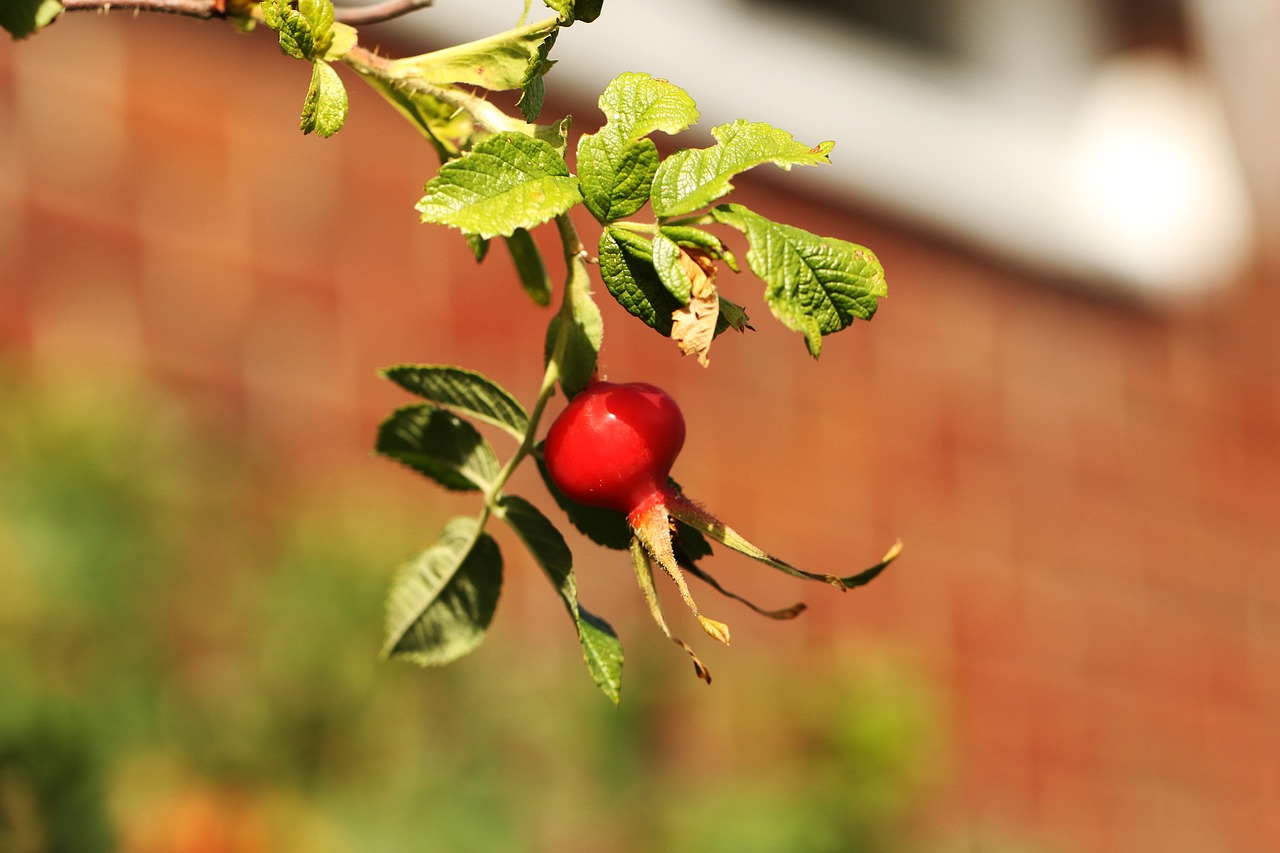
<point>627,268</point>
<point>441,604</point>
<point>602,651</point>
<point>690,237</point>
<point>600,647</point>
<point>617,165</point>
<point>576,10</point>
<point>587,10</point>
<point>319,17</point>
<point>636,104</point>
<point>732,316</point>
<point>528,261</point>
<point>479,247</point>
<point>532,97</point>
<point>325,109</point>
<point>814,285</point>
<point>694,178</point>
<point>296,36</point>
<point>507,181</point>
<point>21,18</point>
<point>439,445</point>
<point>666,263</point>
<point>615,174</point>
<point>605,527</point>
<point>463,390</point>
<point>533,88</point>
<point>508,60</point>
<point>274,12</point>
<point>574,335</point>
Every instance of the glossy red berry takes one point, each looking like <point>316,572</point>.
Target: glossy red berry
<point>614,444</point>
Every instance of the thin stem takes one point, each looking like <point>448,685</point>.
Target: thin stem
<point>376,13</point>
<point>202,9</point>
<point>574,255</point>
<point>696,219</point>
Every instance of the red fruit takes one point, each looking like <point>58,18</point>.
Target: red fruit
<point>613,446</point>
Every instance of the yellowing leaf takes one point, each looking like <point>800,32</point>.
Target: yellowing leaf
<point>499,63</point>
<point>325,107</point>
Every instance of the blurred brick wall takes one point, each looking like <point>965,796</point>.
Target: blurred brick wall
<point>1089,490</point>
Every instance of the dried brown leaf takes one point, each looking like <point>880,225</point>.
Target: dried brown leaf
<point>693,326</point>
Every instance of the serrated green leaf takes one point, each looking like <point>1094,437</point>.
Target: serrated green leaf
<point>508,60</point>
<point>296,36</point>
<point>325,109</point>
<point>533,89</point>
<point>605,527</point>
<point>21,18</point>
<point>296,41</point>
<point>694,178</point>
<point>507,181</point>
<point>626,266</point>
<point>440,605</point>
<point>617,164</point>
<point>602,651</point>
<point>600,647</point>
<point>615,174</point>
<point>274,12</point>
<point>637,104</point>
<point>732,316</point>
<point>529,265</point>
<point>532,97</point>
<point>462,390</point>
<point>440,445</point>
<point>319,17</point>
<point>814,285</point>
